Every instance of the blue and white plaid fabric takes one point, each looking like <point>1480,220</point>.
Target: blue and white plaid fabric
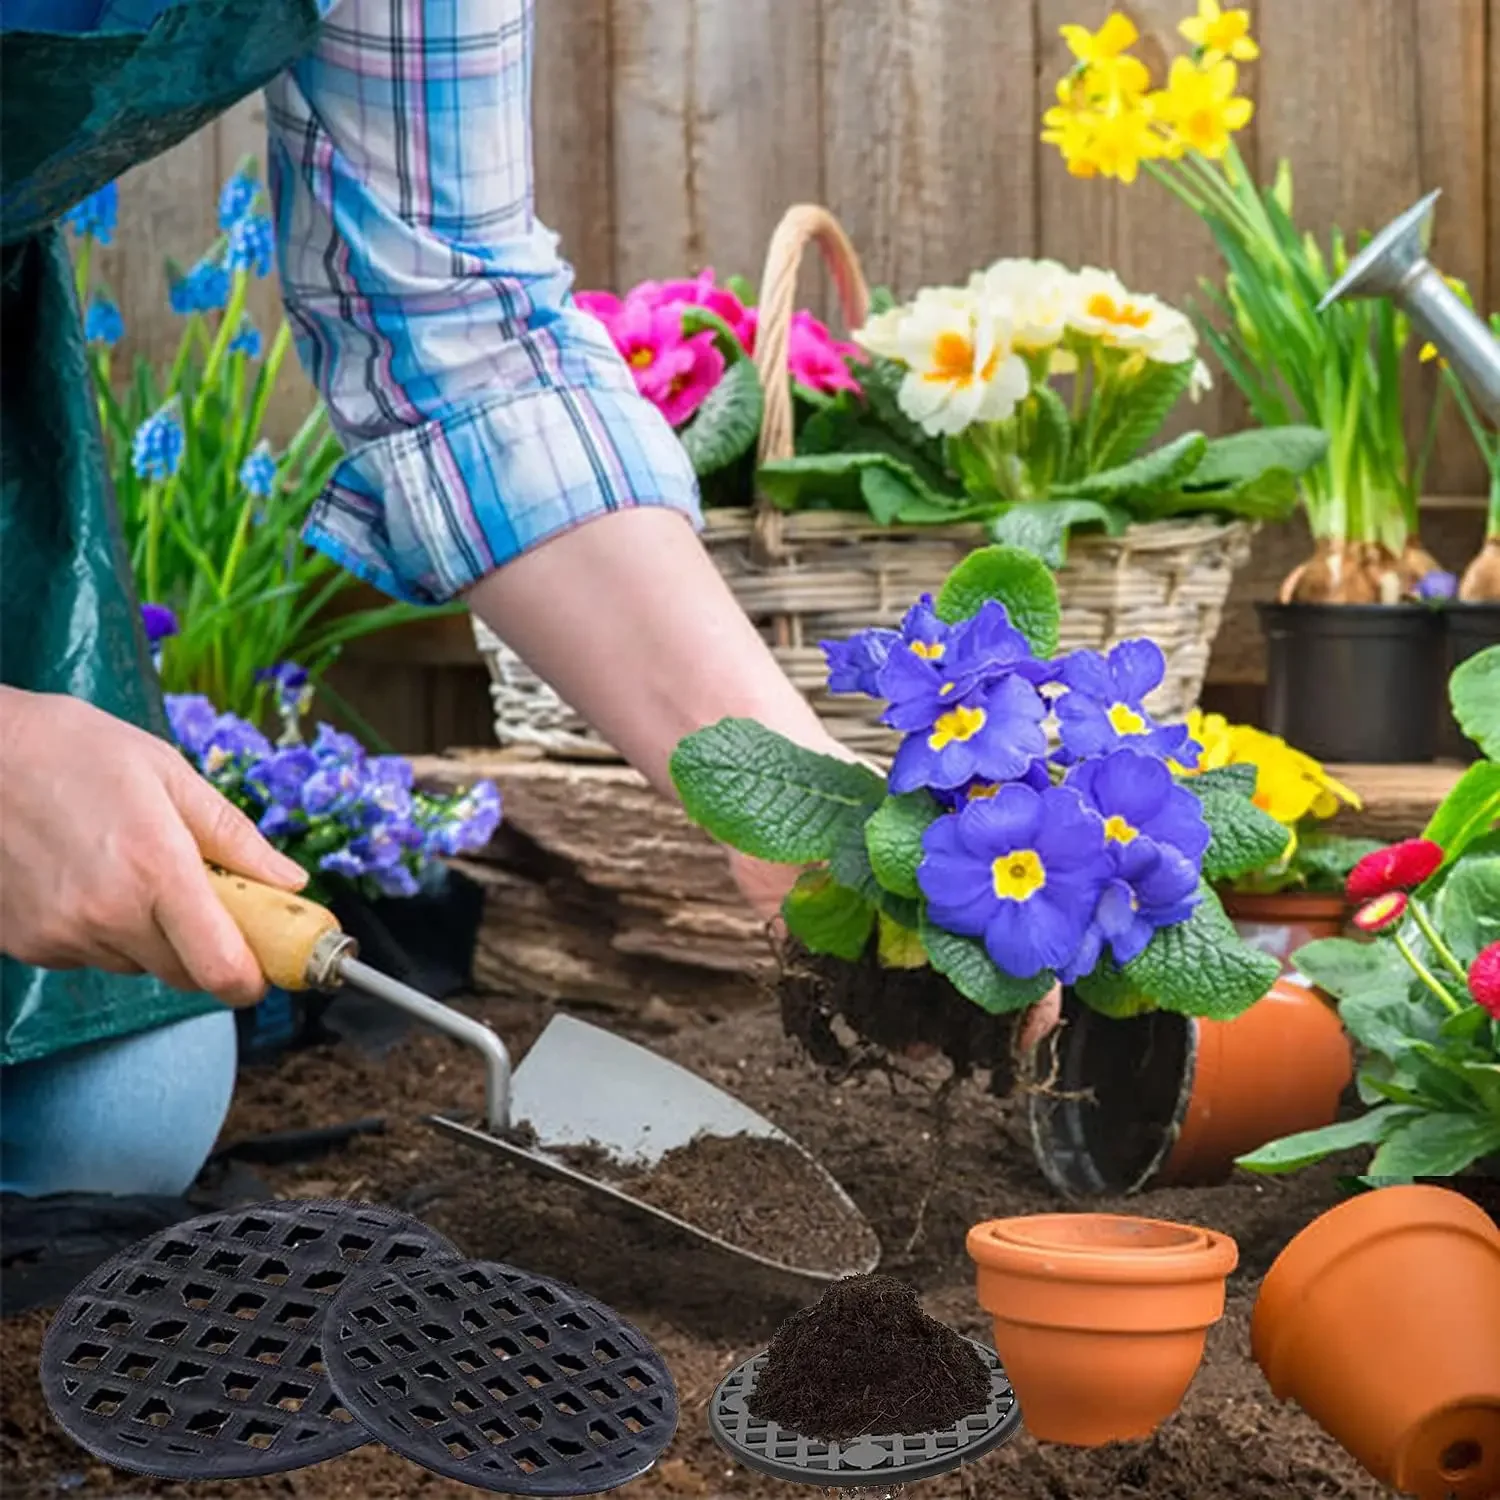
<point>482,412</point>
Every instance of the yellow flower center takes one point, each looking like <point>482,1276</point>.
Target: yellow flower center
<point>215,759</point>
<point>1019,875</point>
<point>928,650</point>
<point>953,356</point>
<point>982,790</point>
<point>955,726</point>
<point>1119,831</point>
<point>1122,314</point>
<point>641,358</point>
<point>1123,719</point>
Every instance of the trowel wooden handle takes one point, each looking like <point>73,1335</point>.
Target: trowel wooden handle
<point>289,935</point>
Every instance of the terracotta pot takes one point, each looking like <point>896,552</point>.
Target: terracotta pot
<point>1165,1098</point>
<point>1099,1319</point>
<point>1280,922</point>
<point>1382,1321</point>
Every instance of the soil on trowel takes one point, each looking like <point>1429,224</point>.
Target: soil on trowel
<point>759,1195</point>
<point>866,1360</point>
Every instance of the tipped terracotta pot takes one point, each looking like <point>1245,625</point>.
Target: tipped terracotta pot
<point>1168,1099</point>
<point>1280,922</point>
<point>1382,1321</point>
<point>1099,1319</point>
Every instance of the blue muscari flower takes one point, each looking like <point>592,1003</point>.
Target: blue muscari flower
<point>96,216</point>
<point>1101,709</point>
<point>1437,584</point>
<point>1156,836</point>
<point>247,340</point>
<point>204,288</point>
<point>252,245</point>
<point>103,324</point>
<point>159,622</point>
<point>156,448</point>
<point>236,198</point>
<point>258,472</point>
<point>1021,871</point>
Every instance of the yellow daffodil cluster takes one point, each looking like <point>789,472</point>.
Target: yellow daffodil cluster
<point>1289,786</point>
<point>1108,119</point>
<point>973,353</point>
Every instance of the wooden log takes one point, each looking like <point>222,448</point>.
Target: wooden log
<point>1398,800</point>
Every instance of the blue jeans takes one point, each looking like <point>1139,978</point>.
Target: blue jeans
<point>139,1115</point>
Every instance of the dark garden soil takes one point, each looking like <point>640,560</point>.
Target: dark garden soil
<point>921,1186</point>
<point>865,1358</point>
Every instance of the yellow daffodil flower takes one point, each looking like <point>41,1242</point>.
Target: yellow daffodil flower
<point>1200,108</point>
<point>1115,36</point>
<point>1219,33</point>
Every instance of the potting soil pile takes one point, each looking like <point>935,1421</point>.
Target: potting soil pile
<point>921,1188</point>
<point>867,1360</point>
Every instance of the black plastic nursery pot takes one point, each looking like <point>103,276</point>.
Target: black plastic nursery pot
<point>1359,683</point>
<point>1472,628</point>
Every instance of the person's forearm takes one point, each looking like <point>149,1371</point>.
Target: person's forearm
<point>629,621</point>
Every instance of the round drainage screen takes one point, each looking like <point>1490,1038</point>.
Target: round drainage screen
<point>500,1379</point>
<point>197,1355</point>
<point>875,1461</point>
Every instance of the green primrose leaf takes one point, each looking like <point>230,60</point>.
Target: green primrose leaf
<point>1435,1145</point>
<point>1239,779</point>
<point>893,837</point>
<point>726,426</point>
<point>1474,690</point>
<point>1468,907</point>
<point>1244,837</point>
<point>761,794</point>
<point>899,947</point>
<point>850,866</point>
<point>964,963</point>
<point>886,493</point>
<point>1241,457</point>
<point>1469,811</point>
<point>1293,1152</point>
<point>1022,583</point>
<point>826,917</point>
<point>1201,967</point>
<point>1153,473</point>
<point>1043,527</point>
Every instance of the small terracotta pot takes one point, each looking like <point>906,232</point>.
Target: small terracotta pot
<point>1164,1098</point>
<point>1099,1319</point>
<point>1382,1321</point>
<point>1280,922</point>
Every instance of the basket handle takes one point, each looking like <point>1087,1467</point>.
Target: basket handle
<point>801,225</point>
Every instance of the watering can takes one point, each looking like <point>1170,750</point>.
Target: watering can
<point>1394,264</point>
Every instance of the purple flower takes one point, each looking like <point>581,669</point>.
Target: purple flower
<point>1437,584</point>
<point>330,789</point>
<point>280,776</point>
<point>854,665</point>
<point>470,823</point>
<point>395,880</point>
<point>96,216</point>
<point>1137,798</point>
<point>252,245</point>
<point>192,719</point>
<point>205,288</point>
<point>1037,776</point>
<point>103,323</point>
<point>258,472</point>
<point>156,448</point>
<point>1022,871</point>
<point>247,340</point>
<point>236,198</point>
<point>160,623</point>
<point>292,689</point>
<point>1102,707</point>
<point>993,734</point>
<point>232,739</point>
<point>332,747</point>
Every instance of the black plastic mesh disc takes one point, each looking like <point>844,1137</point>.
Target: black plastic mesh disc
<point>870,1462</point>
<point>196,1354</point>
<point>500,1379</point>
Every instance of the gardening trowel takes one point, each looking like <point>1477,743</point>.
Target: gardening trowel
<point>579,1090</point>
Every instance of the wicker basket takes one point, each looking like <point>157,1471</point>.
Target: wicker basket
<point>818,575</point>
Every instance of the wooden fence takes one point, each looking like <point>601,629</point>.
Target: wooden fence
<point>670,134</point>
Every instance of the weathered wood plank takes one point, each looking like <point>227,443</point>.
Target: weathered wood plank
<point>929,124</point>
<point>715,131</point>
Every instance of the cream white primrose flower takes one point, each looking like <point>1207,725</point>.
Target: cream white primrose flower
<point>1200,382</point>
<point>1041,295</point>
<point>961,367</point>
<point>1105,310</point>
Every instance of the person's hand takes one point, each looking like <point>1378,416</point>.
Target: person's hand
<point>103,832</point>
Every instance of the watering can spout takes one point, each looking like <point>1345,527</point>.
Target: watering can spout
<point>1394,264</point>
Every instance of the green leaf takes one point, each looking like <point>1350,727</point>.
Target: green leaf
<point>1324,860</point>
<point>701,320</point>
<point>850,866</point>
<point>1468,908</point>
<point>742,288</point>
<point>1474,690</point>
<point>1435,1145</point>
<point>1271,496</point>
<point>1201,967</point>
<point>1239,779</point>
<point>893,837</point>
<point>1152,395</point>
<point>1236,460</point>
<point>761,794</point>
<point>826,917</point>
<point>1293,1152</point>
<point>1468,812</point>
<point>1042,527</point>
<point>835,481</point>
<point>726,426</point>
<point>1155,473</point>
<point>881,381</point>
<point>886,494</point>
<point>1107,991</point>
<point>898,946</point>
<point>1244,837</point>
<point>1022,583</point>
<point>1347,969</point>
<point>1054,429</point>
<point>970,970</point>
